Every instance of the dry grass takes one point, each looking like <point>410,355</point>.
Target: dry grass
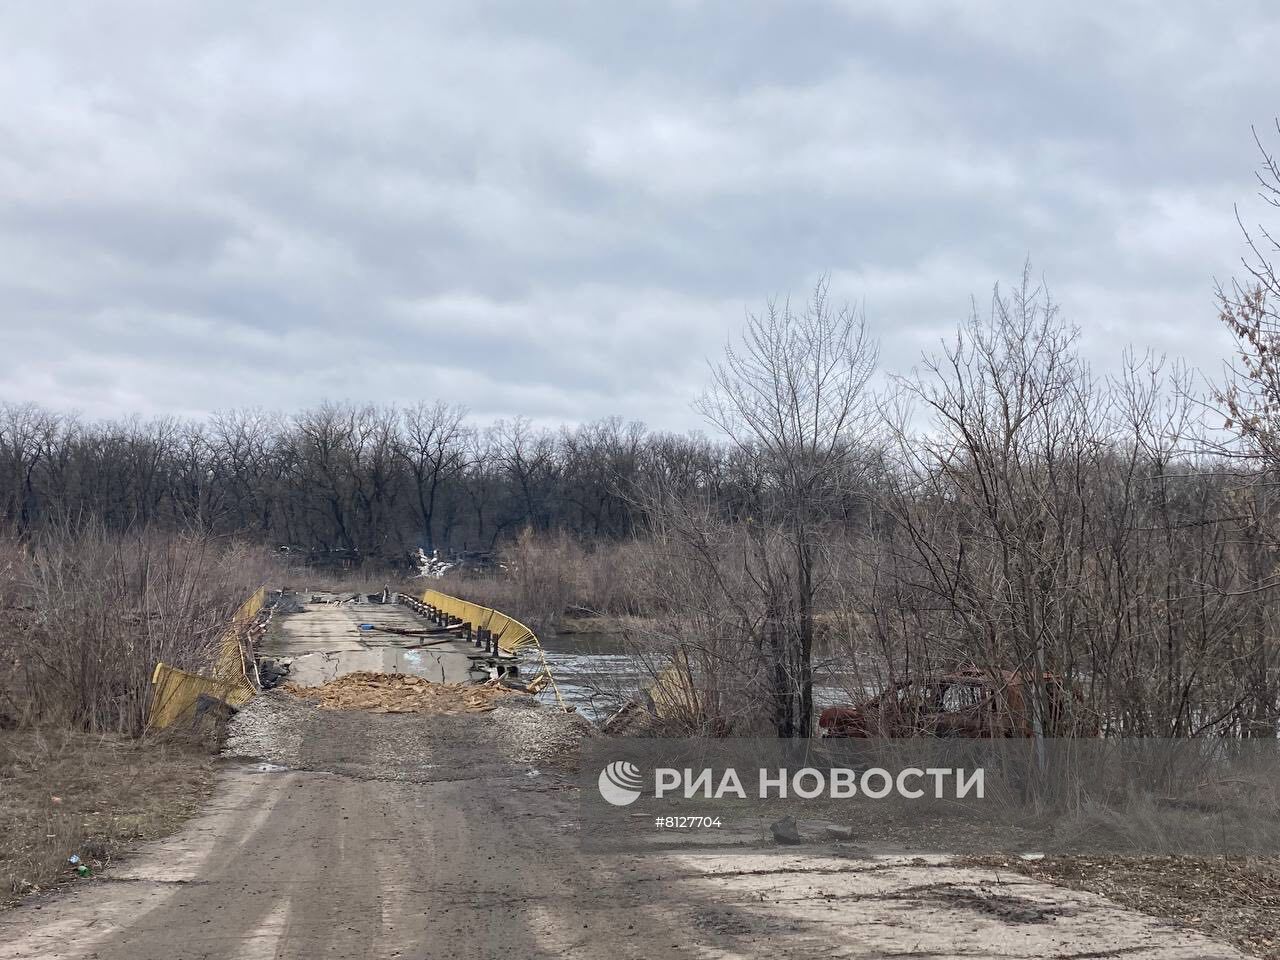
<point>65,792</point>
<point>85,615</point>
<point>550,576</point>
<point>1234,899</point>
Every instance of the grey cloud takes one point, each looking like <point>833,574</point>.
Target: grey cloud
<point>559,210</point>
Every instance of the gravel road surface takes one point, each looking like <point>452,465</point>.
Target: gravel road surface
<point>355,835</point>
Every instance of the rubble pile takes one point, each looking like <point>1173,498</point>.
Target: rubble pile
<point>399,693</point>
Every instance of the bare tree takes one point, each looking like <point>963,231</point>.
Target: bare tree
<point>792,396</point>
<point>1247,307</point>
<point>434,446</point>
<point>528,457</point>
<point>378,481</point>
<point>1001,465</point>
<point>1251,397</point>
<point>327,443</point>
<point>1053,526</point>
<point>22,428</point>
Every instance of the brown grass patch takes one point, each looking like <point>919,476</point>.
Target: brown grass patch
<point>1236,899</point>
<point>64,793</point>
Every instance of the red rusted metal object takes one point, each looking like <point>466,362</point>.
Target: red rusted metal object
<point>967,703</point>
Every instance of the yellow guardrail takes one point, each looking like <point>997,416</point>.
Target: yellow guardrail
<point>673,692</point>
<point>673,695</point>
<point>175,692</point>
<point>511,635</point>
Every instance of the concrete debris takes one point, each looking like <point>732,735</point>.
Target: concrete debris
<point>270,728</point>
<point>786,831</point>
<point>288,603</point>
<point>334,599</point>
<point>398,693</point>
<point>517,735</point>
<point>272,671</point>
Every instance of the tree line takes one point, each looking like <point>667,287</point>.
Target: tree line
<point>366,481</point>
<point>999,505</point>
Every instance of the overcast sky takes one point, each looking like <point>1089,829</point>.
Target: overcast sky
<point>559,210</point>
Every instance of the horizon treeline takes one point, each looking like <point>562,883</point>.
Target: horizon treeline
<point>1001,505</point>
<point>376,482</point>
<point>367,480</point>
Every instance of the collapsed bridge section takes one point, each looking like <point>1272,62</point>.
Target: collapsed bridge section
<point>314,638</point>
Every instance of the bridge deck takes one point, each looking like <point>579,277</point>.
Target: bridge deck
<point>325,642</point>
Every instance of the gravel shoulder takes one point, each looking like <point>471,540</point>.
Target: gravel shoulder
<point>351,834</point>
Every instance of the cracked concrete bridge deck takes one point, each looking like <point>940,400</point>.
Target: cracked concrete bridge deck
<point>323,641</point>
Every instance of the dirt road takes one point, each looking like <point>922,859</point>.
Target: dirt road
<point>455,837</point>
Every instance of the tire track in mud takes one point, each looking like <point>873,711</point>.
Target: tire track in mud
<point>409,837</point>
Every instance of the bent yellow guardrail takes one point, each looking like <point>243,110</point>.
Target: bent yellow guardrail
<point>673,696</point>
<point>511,635</point>
<point>175,692</point>
<point>673,693</point>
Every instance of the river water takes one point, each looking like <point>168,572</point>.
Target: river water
<point>595,673</point>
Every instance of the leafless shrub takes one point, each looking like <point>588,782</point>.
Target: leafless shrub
<point>544,578</point>
<point>101,609</point>
<point>707,649</point>
<point>1048,523</point>
<point>1251,394</point>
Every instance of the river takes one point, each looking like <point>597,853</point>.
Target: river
<point>596,674</point>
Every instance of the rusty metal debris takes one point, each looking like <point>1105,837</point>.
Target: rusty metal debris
<point>971,702</point>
